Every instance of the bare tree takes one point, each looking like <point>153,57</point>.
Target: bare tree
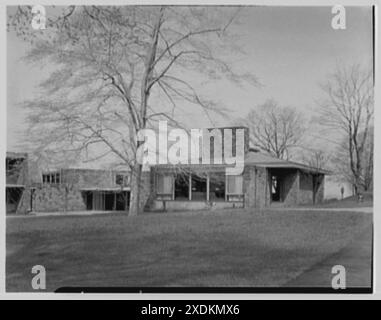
<point>275,129</point>
<point>342,164</point>
<point>316,158</point>
<point>348,109</point>
<point>118,70</point>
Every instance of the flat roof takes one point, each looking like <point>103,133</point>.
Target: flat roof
<point>57,170</point>
<point>104,189</point>
<point>263,160</point>
<point>252,158</point>
<point>11,154</point>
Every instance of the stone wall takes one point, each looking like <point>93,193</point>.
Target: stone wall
<point>263,188</point>
<point>256,187</point>
<point>51,198</point>
<point>173,205</point>
<point>290,192</point>
<point>90,178</point>
<point>311,189</point>
<point>249,187</point>
<point>319,188</point>
<point>306,193</point>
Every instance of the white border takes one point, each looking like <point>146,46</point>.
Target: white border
<point>146,296</point>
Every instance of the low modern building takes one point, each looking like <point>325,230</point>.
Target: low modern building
<point>64,189</point>
<point>81,189</point>
<point>265,181</point>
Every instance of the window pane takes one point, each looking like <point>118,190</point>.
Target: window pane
<point>235,184</point>
<point>164,184</point>
<point>167,184</point>
<point>217,186</point>
<point>239,183</point>
<point>159,183</point>
<point>53,178</point>
<point>58,178</point>
<point>198,187</point>
<point>231,184</point>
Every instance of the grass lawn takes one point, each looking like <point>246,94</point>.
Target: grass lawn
<point>349,202</point>
<point>226,248</point>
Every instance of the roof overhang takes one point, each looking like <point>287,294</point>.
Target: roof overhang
<point>16,155</point>
<point>15,186</point>
<point>114,189</point>
<point>219,167</point>
<point>293,166</point>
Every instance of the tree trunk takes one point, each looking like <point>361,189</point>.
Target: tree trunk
<point>136,186</point>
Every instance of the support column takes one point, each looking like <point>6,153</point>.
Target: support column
<point>226,187</point>
<point>173,187</point>
<point>190,187</point>
<point>297,186</point>
<point>207,187</point>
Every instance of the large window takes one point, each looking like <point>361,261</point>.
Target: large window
<point>234,188</point>
<point>217,187</point>
<point>164,184</point>
<point>220,187</point>
<point>198,187</point>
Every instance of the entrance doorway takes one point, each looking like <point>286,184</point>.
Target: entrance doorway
<point>106,200</point>
<point>276,188</point>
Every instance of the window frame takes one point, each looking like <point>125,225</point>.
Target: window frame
<point>49,177</point>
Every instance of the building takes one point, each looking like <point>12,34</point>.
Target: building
<point>64,189</point>
<point>265,181</point>
<point>81,189</point>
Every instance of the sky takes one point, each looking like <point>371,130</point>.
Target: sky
<point>289,49</point>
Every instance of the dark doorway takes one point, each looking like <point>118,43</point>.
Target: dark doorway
<point>182,186</point>
<point>88,197</point>
<point>316,182</point>
<point>106,200</point>
<point>109,201</point>
<point>13,197</point>
<point>275,188</point>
